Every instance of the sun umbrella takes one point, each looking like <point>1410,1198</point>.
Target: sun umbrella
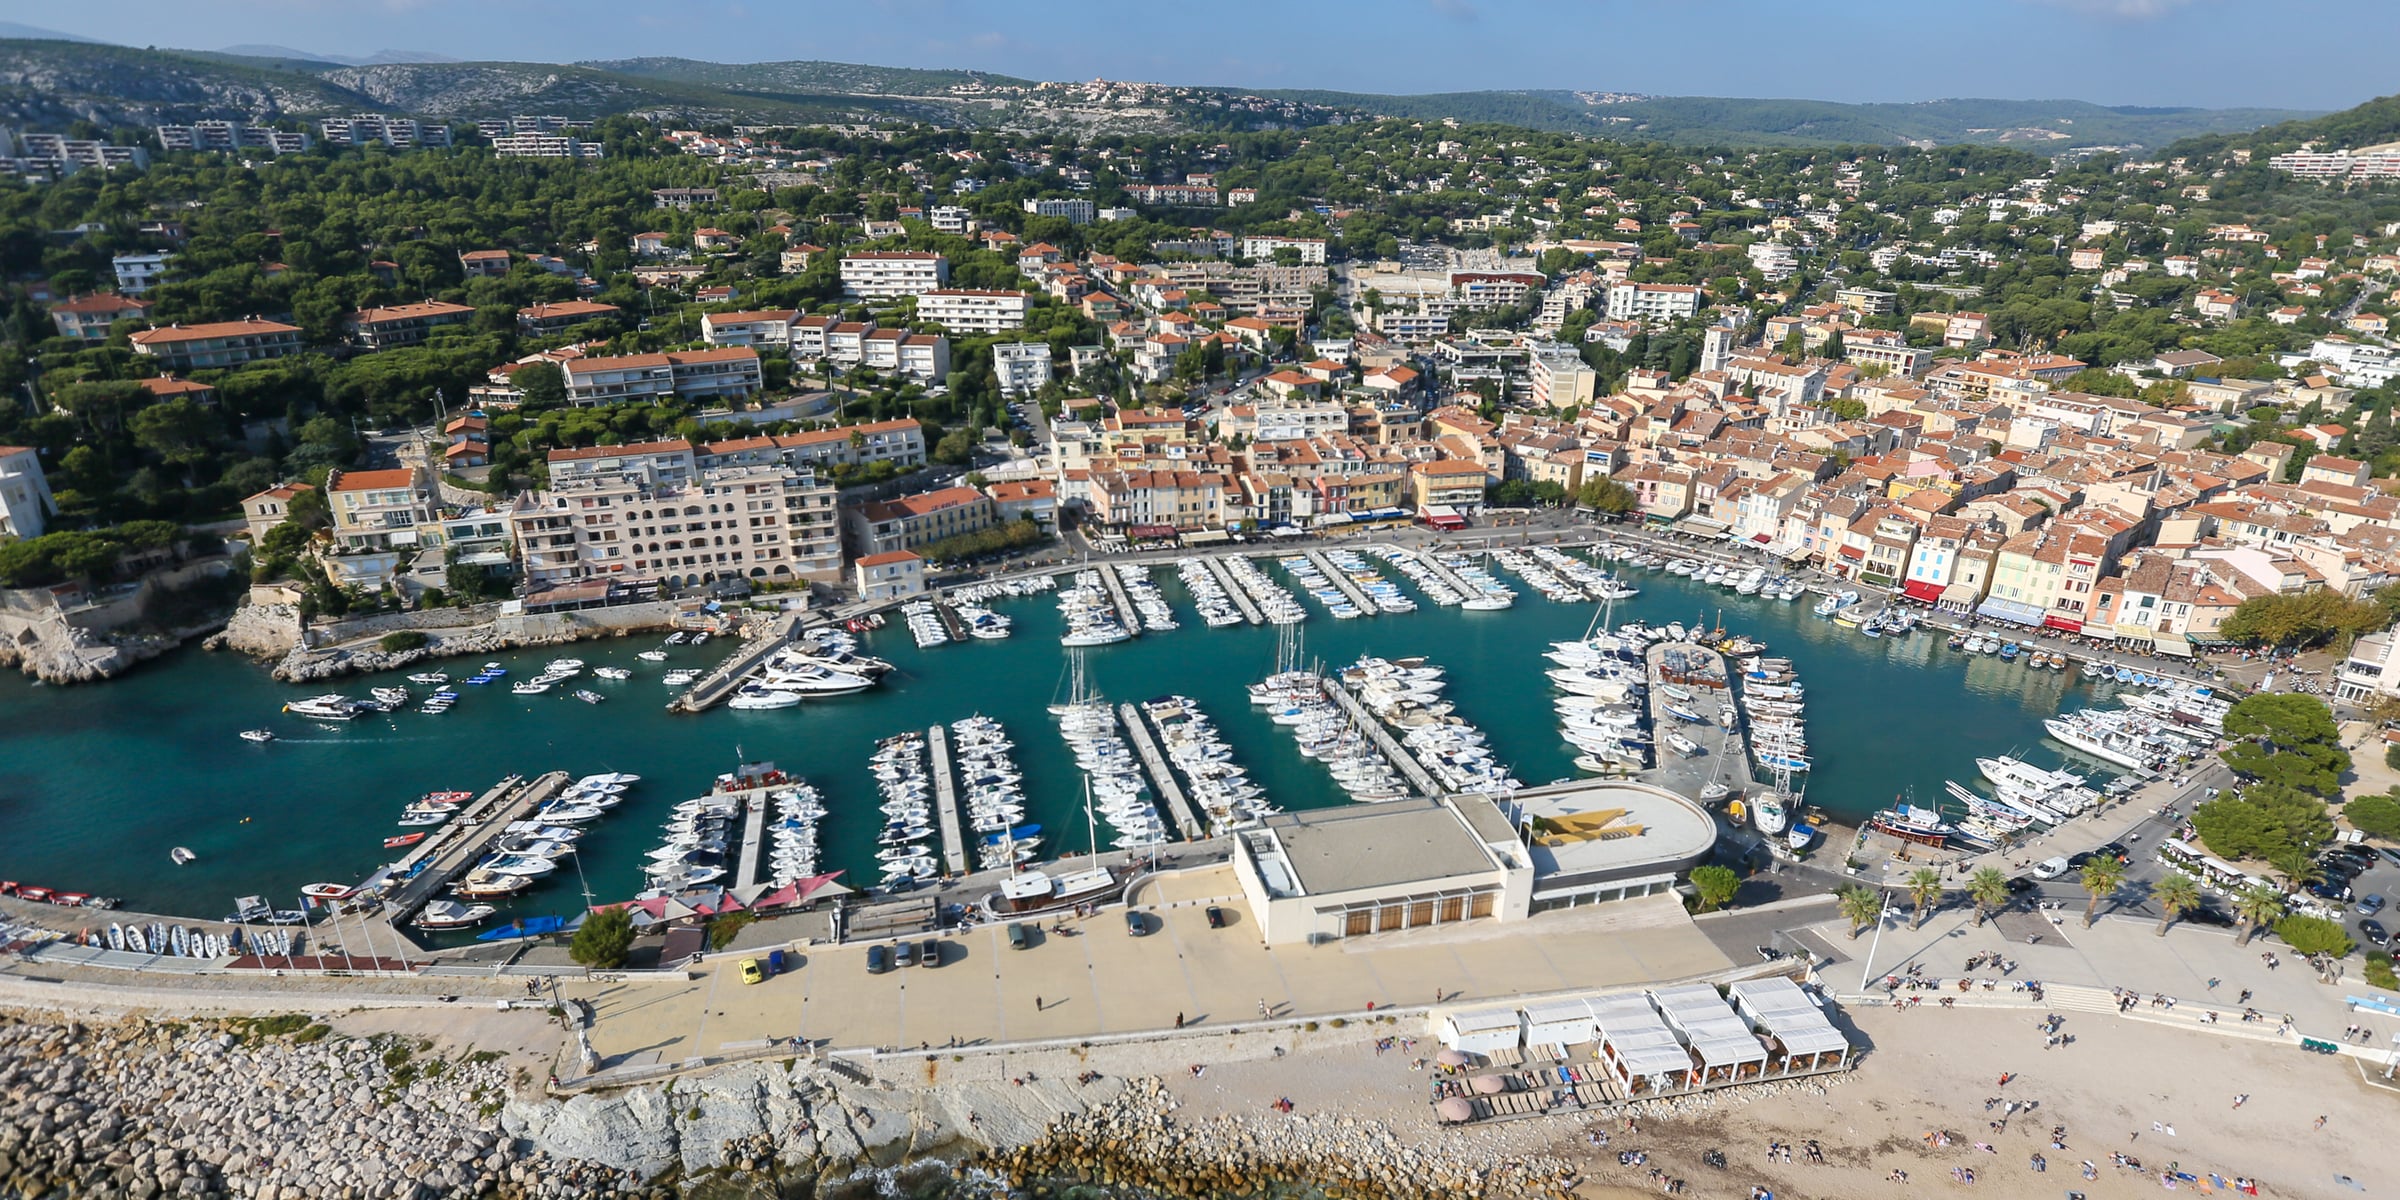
<point>1455,1108</point>
<point>1452,1058</point>
<point>1488,1085</point>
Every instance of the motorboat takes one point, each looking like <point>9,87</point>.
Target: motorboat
<point>430,678</point>
<point>588,696</point>
<point>323,708</point>
<point>529,687</point>
<point>450,914</point>
<point>405,839</point>
<point>258,735</point>
<point>755,698</point>
<point>181,855</point>
<point>612,673</point>
<point>328,891</point>
<point>652,656</point>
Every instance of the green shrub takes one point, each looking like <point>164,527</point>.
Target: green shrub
<point>399,640</point>
<point>2315,935</point>
<point>2380,974</point>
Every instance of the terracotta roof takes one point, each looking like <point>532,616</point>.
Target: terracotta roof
<point>408,312</point>
<point>886,559</point>
<point>670,446</point>
<point>374,481</point>
<point>213,329</point>
<point>102,302</point>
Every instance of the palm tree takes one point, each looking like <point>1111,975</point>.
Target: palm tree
<point>1924,890</point>
<point>1863,905</point>
<point>2102,876</point>
<point>2176,895</point>
<point>1988,888</point>
<point>2297,868</point>
<point>2254,907</point>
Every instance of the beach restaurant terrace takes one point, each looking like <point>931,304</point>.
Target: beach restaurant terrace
<point>1638,1048</point>
<point>1794,1027</point>
<point>1726,1049</point>
<point>1483,1031</point>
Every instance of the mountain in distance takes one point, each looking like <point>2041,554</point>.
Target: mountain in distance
<point>48,83</point>
<point>380,57</point>
<point>14,29</point>
<point>2374,123</point>
<point>2038,125</point>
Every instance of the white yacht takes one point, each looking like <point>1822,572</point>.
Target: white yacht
<point>323,708</point>
<point>757,697</point>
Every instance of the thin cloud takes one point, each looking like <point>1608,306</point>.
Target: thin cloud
<point>1456,10</point>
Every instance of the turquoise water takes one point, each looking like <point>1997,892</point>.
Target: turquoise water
<point>97,783</point>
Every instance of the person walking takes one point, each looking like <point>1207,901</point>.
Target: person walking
<point>1037,1004</point>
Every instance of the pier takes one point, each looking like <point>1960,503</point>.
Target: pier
<point>945,800</point>
<point>1443,573</point>
<point>754,835</point>
<point>721,681</point>
<point>1343,583</point>
<point>1725,754</point>
<point>952,623</point>
<point>439,860</point>
<point>1138,728</point>
<point>1418,777</point>
<point>1126,613</point>
<point>1233,588</point>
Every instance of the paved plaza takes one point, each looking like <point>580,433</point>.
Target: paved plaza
<point>1097,979</point>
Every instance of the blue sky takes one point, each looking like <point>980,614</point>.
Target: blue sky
<point>2213,53</point>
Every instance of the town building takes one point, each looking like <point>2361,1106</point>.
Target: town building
<point>377,516</point>
<point>1076,212</point>
<point>136,273</point>
<point>402,324</point>
<point>971,311</point>
<point>396,132</point>
<point>1021,367</point>
<point>87,318</point>
<point>890,274</point>
<point>920,519</point>
<point>689,374</point>
<point>217,343</point>
<point>26,504</point>
<point>768,523</point>
<point>544,145</point>
<point>556,318</point>
<point>881,578</point>
<point>265,510</point>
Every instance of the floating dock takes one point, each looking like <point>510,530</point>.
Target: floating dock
<point>754,834</point>
<point>726,676</point>
<point>1343,583</point>
<point>945,800</point>
<point>1241,598</point>
<point>1725,754</point>
<point>1443,573</point>
<point>1418,777</point>
<point>1169,789</point>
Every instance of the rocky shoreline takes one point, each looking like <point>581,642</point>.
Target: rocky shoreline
<point>273,637</point>
<point>89,659</point>
<point>287,1108</point>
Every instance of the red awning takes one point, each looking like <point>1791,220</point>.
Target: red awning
<point>1761,539</point>
<point>1853,552</point>
<point>2070,624</point>
<point>1921,591</point>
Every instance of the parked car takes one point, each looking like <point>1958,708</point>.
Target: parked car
<point>2370,904</point>
<point>904,954</point>
<point>1018,936</point>
<point>879,959</point>
<point>1216,917</point>
<point>1136,925</point>
<point>929,953</point>
<point>752,972</point>
<point>774,963</point>
<point>2372,930</point>
<point>2051,868</point>
<point>2210,915</point>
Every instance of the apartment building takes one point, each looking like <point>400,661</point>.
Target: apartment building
<point>1310,250</point>
<point>1075,212</point>
<point>899,442</point>
<point>769,327</point>
<point>87,318</point>
<point>25,501</point>
<point>217,343</point>
<point>377,517</point>
<point>683,199</point>
<point>552,320</point>
<point>262,511</point>
<point>1448,483</point>
<point>1653,301</point>
<point>768,523</point>
<point>137,272</point>
<point>230,136</point>
<point>1560,377</point>
<point>690,374</point>
<point>64,155</point>
<point>402,324</point>
<point>921,355</point>
<point>889,274</point>
<point>1021,367</point>
<point>660,464</point>
<point>543,145</point>
<point>907,522</point>
<point>1184,501</point>
<point>1181,195</point>
<point>972,311</point>
<point>397,132</point>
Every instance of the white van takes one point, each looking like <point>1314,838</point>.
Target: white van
<point>2050,868</point>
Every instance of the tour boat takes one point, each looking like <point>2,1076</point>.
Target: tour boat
<point>258,735</point>
<point>1034,892</point>
<point>652,656</point>
<point>181,855</point>
<point>405,839</point>
<point>450,914</point>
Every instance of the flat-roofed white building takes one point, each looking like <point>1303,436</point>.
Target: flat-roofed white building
<point>889,274</point>
<point>971,311</point>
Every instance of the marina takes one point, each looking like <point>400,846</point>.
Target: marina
<point>945,801</point>
<point>355,772</point>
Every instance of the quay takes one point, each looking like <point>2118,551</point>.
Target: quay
<point>1418,777</point>
<point>1215,564</point>
<point>1129,616</point>
<point>945,800</point>
<point>952,623</point>
<point>754,834</point>
<point>424,874</point>
<point>1137,726</point>
<point>1343,583</point>
<point>726,676</point>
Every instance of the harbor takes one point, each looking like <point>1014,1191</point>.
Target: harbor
<point>358,772</point>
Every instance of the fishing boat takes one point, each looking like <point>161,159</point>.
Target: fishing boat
<point>258,735</point>
<point>181,855</point>
<point>405,839</point>
<point>1909,823</point>
<point>450,914</point>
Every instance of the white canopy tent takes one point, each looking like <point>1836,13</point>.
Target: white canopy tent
<point>1559,1023</point>
<point>1481,1030</point>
